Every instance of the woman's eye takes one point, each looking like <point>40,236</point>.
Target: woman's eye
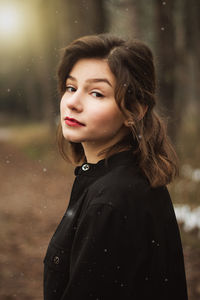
<point>70,88</point>
<point>97,94</point>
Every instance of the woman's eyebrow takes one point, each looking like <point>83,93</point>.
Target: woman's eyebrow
<point>92,80</point>
<point>71,77</point>
<point>99,80</point>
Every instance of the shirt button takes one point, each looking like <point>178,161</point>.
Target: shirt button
<point>85,167</point>
<point>56,260</point>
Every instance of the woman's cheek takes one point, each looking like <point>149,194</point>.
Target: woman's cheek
<point>101,119</point>
<point>61,106</point>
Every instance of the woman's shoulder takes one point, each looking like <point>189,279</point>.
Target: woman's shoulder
<point>126,187</point>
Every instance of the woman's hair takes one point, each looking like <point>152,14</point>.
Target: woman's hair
<point>132,64</point>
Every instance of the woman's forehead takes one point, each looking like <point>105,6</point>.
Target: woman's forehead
<point>92,70</point>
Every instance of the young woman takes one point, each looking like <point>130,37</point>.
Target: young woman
<point>119,237</point>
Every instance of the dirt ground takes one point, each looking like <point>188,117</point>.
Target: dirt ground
<point>34,197</point>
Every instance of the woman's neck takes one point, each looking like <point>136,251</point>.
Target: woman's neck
<point>92,154</point>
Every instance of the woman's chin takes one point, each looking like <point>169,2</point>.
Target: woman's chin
<point>72,139</point>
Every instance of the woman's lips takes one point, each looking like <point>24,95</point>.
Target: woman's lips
<point>73,122</point>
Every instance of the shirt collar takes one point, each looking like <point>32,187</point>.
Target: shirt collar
<point>91,169</point>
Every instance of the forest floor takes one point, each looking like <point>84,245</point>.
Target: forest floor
<point>34,196</point>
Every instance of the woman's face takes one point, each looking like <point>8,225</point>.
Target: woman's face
<point>89,99</point>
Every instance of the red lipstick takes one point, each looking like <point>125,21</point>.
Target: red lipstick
<point>73,122</point>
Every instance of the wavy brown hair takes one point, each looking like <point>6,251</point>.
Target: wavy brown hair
<point>132,64</point>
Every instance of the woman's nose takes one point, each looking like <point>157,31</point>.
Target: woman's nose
<point>74,102</point>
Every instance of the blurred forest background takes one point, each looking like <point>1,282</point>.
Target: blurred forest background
<point>35,182</point>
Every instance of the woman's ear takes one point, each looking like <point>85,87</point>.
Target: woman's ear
<point>128,123</point>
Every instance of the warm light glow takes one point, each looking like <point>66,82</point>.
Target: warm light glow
<point>10,20</point>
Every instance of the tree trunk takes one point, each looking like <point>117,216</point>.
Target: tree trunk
<point>80,18</point>
<point>123,16</point>
<point>166,50</point>
<point>42,48</point>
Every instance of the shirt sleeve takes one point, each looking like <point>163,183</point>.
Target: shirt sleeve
<point>100,257</point>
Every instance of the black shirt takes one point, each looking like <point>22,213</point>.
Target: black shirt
<point>118,238</point>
